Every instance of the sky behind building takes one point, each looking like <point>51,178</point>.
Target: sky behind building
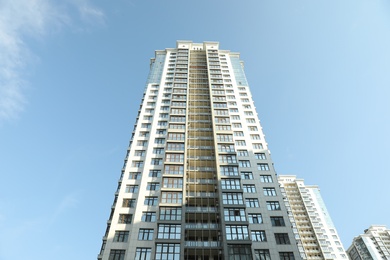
<point>72,74</point>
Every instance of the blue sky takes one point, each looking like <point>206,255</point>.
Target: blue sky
<point>72,73</point>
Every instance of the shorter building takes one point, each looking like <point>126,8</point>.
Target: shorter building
<point>313,228</point>
<point>373,244</point>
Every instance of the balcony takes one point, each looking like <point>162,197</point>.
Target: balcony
<point>201,226</point>
<point>202,244</point>
<point>202,209</point>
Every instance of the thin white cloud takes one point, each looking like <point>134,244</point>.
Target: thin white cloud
<point>30,18</point>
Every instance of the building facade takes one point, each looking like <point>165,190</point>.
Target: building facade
<point>313,227</point>
<point>198,182</point>
<point>373,244</point>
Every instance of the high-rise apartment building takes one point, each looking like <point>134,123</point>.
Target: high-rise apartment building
<point>313,227</point>
<point>373,244</point>
<point>198,182</point>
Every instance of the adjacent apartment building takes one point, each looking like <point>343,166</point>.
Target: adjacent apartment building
<point>373,244</point>
<point>198,181</point>
<point>313,226</point>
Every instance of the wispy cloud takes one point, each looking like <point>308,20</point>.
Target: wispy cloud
<point>24,19</point>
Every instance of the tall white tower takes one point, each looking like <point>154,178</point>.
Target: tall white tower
<point>313,226</point>
<point>198,181</point>
<point>373,244</point>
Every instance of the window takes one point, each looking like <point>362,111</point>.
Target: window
<point>223,127</point>
<point>255,137</point>
<point>174,157</point>
<point>260,156</point>
<point>134,175</point>
<point>235,117</point>
<point>175,183</point>
<point>121,236</point>
<point>176,136</point>
<point>175,146</point>
<point>273,205</point>
<point>242,153</point>
<point>247,175</point>
<point>232,214</point>
<point>234,232</point>
<point>153,186</point>
<point>252,203</point>
<point>226,148</point>
<point>143,253</point>
<point>255,218</point>
<point>257,146</point>
<point>148,118</point>
<point>125,218</point>
<point>176,126</point>
<point>137,164</point>
<point>170,213</point>
<point>169,231</point>
<point>240,252</point>
<point>128,203</point>
<point>162,123</point>
<point>249,188</point>
<point>240,143</point>
<point>167,251</point>
<point>145,234</point>
<point>227,159</point>
<point>244,163</point>
<point>150,201</point>
<point>154,173</point>
<point>156,161</point>
<point>282,239</point>
<point>144,134</point>
<point>131,188</point>
<point>159,141</point>
<point>158,150</point>
<point>224,138</point>
<point>266,178</point>
<point>248,113</point>
<point>238,133</point>
<point>269,191</point>
<point>263,167</point>
<point>148,216</point>
<point>171,197</point>
<point>117,254</point>
<point>174,169</point>
<point>230,184</point>
<point>250,120</point>
<point>145,125</point>
<point>232,198</point>
<point>277,221</point>
<point>262,254</point>
<point>286,256</point>
<point>258,235</point>
<point>237,125</point>
<point>234,110</point>
<point>229,170</point>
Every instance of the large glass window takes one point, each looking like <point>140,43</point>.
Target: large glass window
<point>174,157</point>
<point>234,214</point>
<point>169,231</point>
<point>286,256</point>
<point>277,221</point>
<point>263,167</point>
<point>128,203</point>
<point>232,198</point>
<point>175,183</point>
<point>175,146</point>
<point>150,201</point>
<point>273,205</point>
<point>230,184</point>
<point>229,170</point>
<point>266,178</point>
<point>125,218</point>
<point>269,191</point>
<point>167,251</point>
<point>249,188</point>
<point>239,252</point>
<point>282,238</point>
<point>170,213</point>
<point>171,197</point>
<point>174,169</point>
<point>131,188</point>
<point>235,232</point>
<point>252,203</point>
